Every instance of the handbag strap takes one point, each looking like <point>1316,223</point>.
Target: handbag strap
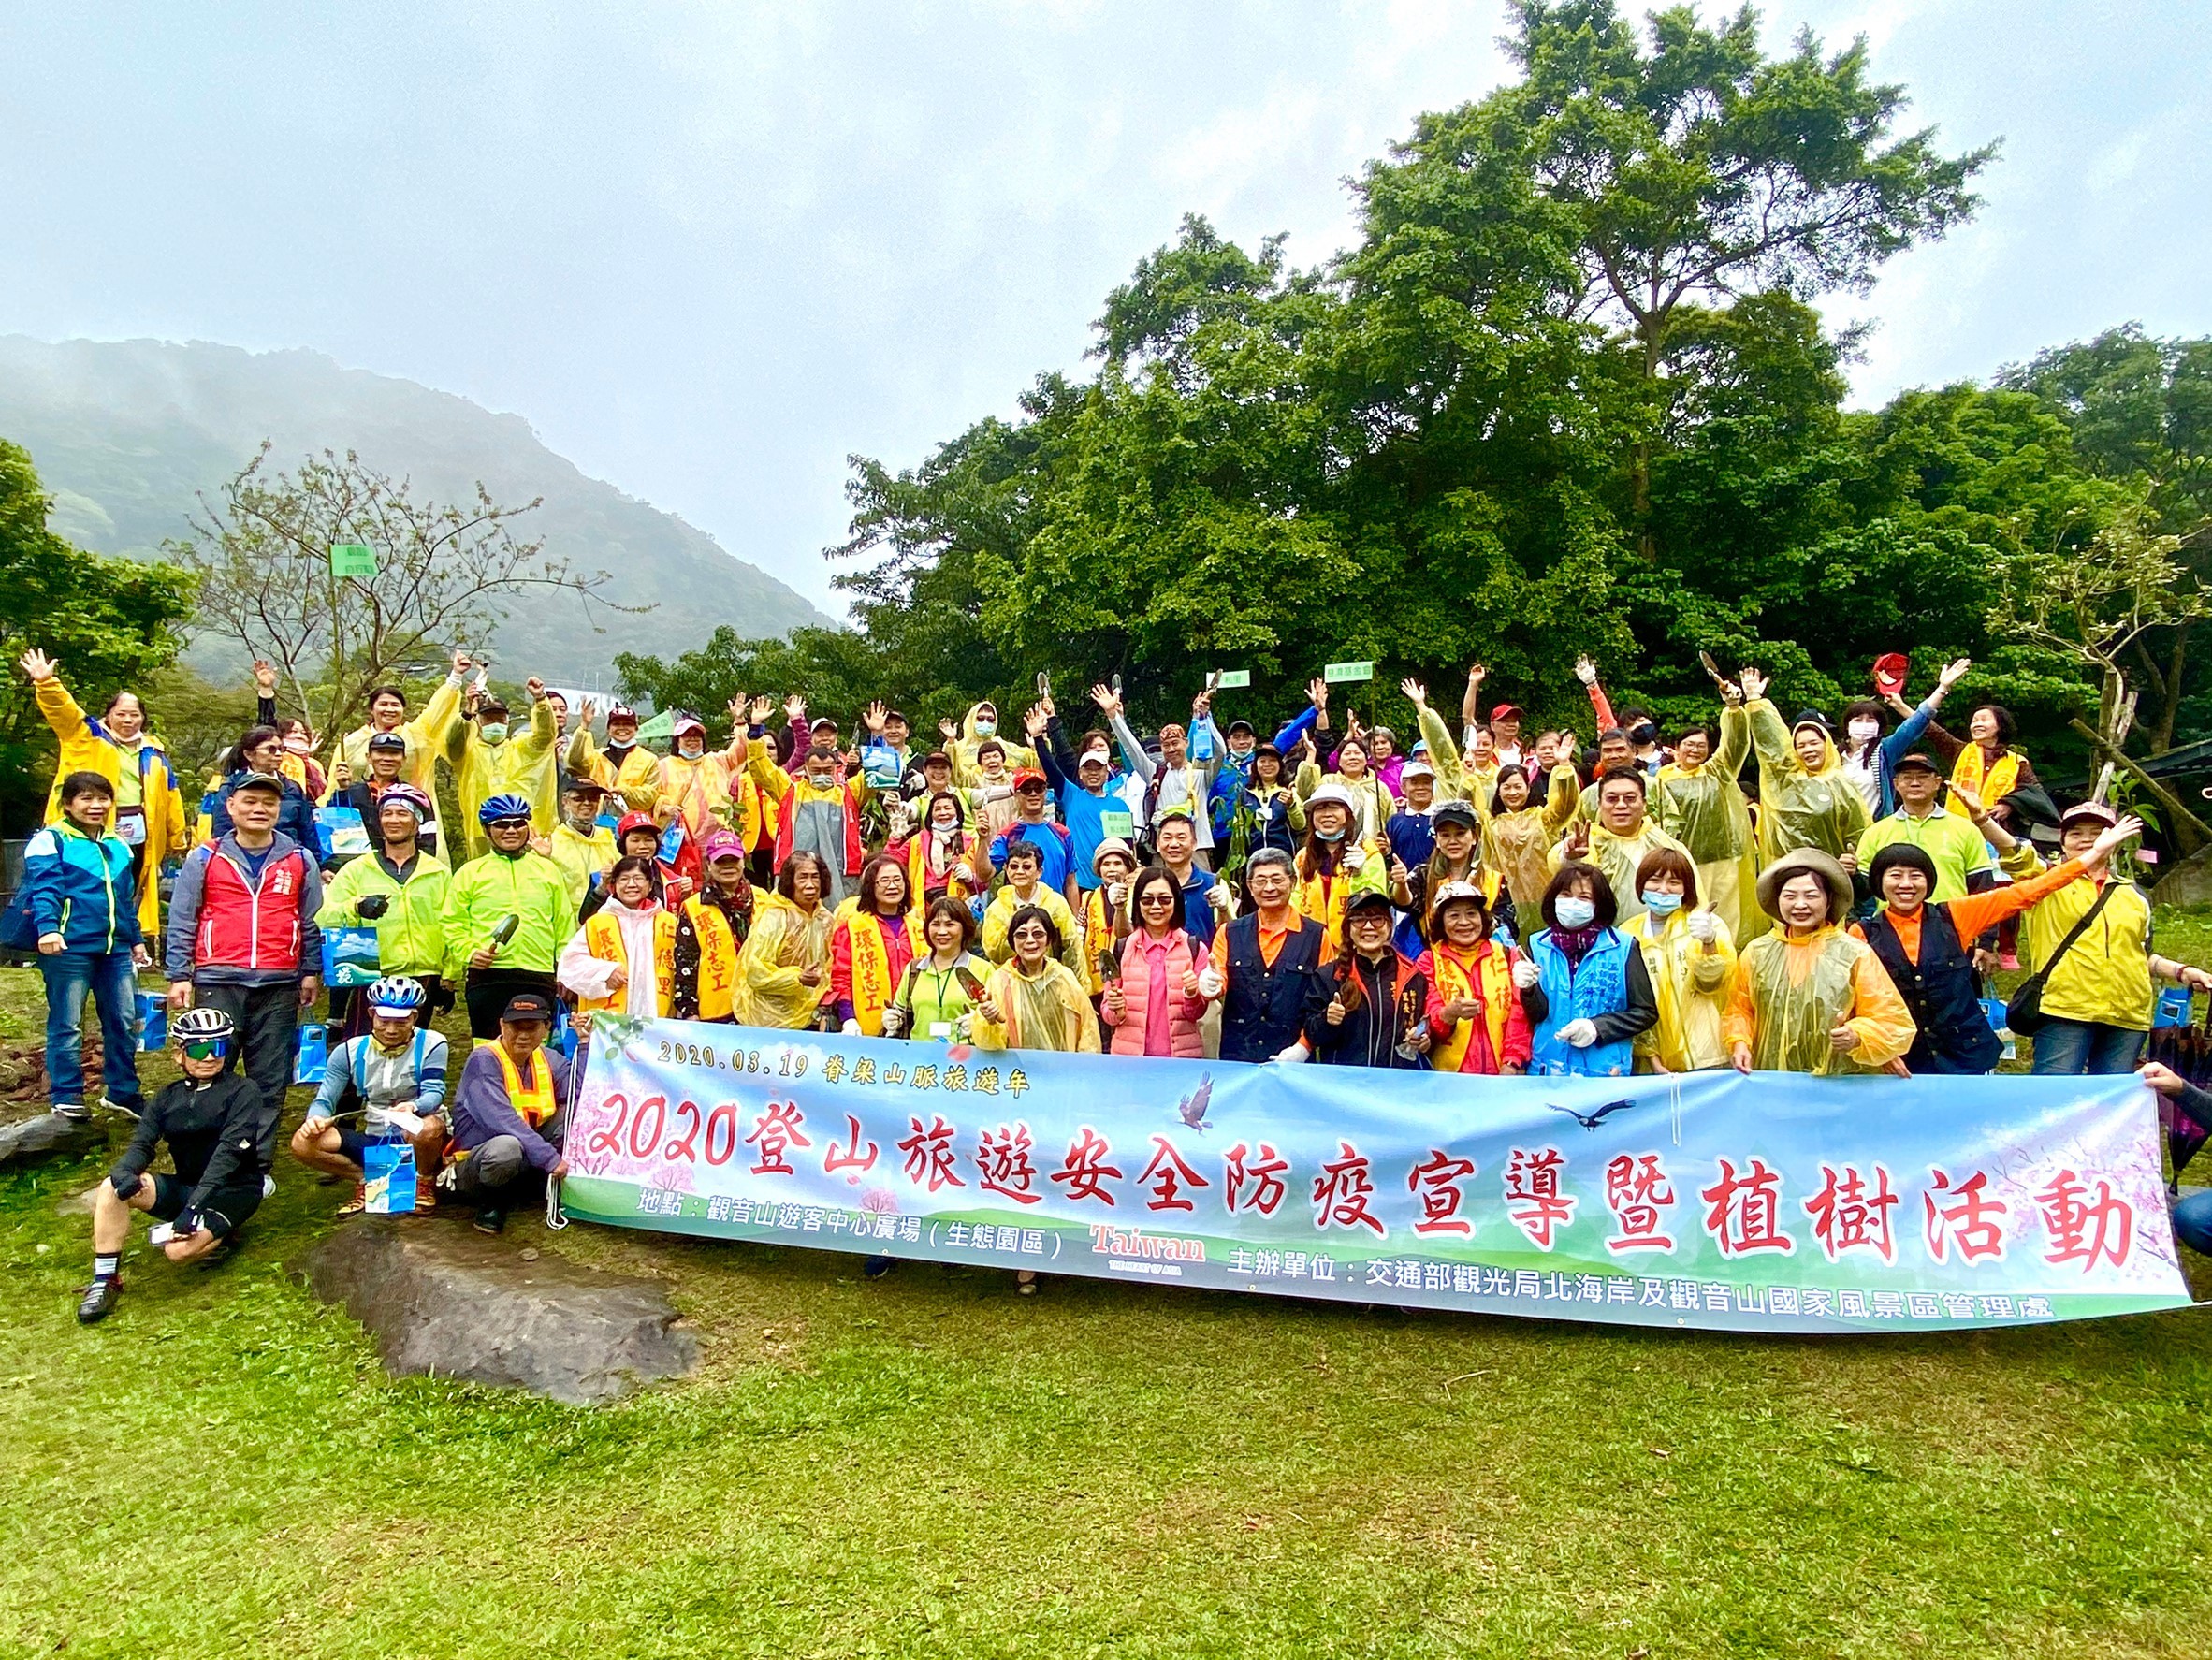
<point>2089,916</point>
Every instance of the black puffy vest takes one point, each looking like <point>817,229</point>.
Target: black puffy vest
<point>1942,992</point>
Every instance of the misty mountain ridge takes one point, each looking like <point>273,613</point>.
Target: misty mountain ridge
<point>128,434</point>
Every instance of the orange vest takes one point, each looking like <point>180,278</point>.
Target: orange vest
<point>535,1103</point>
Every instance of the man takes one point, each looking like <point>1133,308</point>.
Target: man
<point>1054,844</point>
<point>242,932</point>
<point>820,811</point>
<point>1080,780</point>
<point>420,738</point>
<point>80,905</point>
<point>509,1116</point>
<point>400,888</point>
<point>487,761</point>
<point>886,757</point>
<point>625,768</point>
<point>1960,853</point>
<point>393,1079</point>
<point>1265,965</point>
<point>1173,780</point>
<point>1205,896</point>
<point>221,1134</point>
<point>1614,751</point>
<point>1025,885</point>
<point>507,918</point>
<point>1624,833</point>
<point>1411,833</point>
<point>580,844</point>
<point>387,761</point>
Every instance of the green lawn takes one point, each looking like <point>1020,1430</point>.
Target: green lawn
<point>932,1466</point>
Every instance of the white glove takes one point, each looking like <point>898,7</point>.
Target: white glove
<point>1579,1034</point>
<point>1525,974</point>
<point>894,1020</point>
<point>1292,1056</point>
<point>1217,896</point>
<point>1704,926</point>
<point>1354,856</point>
<point>851,1029</point>
<point>1209,982</point>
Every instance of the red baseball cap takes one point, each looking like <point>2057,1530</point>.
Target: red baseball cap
<point>1505,711</point>
<point>1026,777</point>
<point>1890,670</point>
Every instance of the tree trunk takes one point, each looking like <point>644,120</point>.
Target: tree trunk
<point>2190,832</point>
<point>2176,661</point>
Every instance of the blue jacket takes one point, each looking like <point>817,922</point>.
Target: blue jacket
<point>80,887</point>
<point>1609,987</point>
<point>1082,813</point>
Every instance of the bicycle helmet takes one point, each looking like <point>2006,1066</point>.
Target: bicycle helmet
<point>395,993</point>
<point>407,795</point>
<point>502,805</point>
<point>204,1024</point>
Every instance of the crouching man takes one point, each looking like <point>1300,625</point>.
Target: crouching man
<point>393,1079</point>
<point>221,1133</point>
<point>508,1116</point>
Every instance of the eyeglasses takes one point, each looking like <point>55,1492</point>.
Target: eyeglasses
<point>1156,897</point>
<point>205,1048</point>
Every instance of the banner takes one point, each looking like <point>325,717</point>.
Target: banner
<point>1768,1203</point>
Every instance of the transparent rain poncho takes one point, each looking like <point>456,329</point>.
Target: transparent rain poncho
<point>1820,809</point>
<point>1703,809</point>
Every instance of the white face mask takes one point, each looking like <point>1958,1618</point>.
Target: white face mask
<point>692,748</point>
<point>1574,911</point>
<point>1658,903</point>
<point>1864,728</point>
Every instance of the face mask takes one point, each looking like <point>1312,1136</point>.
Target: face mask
<point>1574,912</point>
<point>297,745</point>
<point>1658,903</point>
<point>493,731</point>
<point>1336,835</point>
<point>691,751</point>
<point>820,780</point>
<point>620,746</point>
<point>1864,728</point>
<point>583,823</point>
<point>1643,732</point>
<point>985,728</point>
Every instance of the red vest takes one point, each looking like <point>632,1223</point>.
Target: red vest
<point>243,927</point>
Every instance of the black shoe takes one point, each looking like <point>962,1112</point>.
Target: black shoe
<point>99,1300</point>
<point>490,1218</point>
<point>877,1267</point>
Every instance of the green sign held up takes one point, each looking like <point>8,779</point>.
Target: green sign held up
<point>1232,679</point>
<point>353,559</point>
<point>1337,673</point>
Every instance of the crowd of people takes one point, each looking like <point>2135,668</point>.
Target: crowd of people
<point>1483,899</point>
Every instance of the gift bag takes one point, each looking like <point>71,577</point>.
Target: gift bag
<point>339,833</point>
<point>2174,1007</point>
<point>1993,1011</point>
<point>310,1052</point>
<point>349,957</point>
<point>153,1021</point>
<point>388,1173</point>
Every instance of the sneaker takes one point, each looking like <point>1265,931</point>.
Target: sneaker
<point>223,1250</point>
<point>74,1112</point>
<point>491,1219</point>
<point>358,1203</point>
<point>99,1300</point>
<point>130,1106</point>
<point>876,1267</point>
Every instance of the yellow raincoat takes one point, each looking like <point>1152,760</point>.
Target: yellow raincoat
<point>581,857</point>
<point>1617,857</point>
<point>1456,778</point>
<point>1790,993</point>
<point>1044,1011</point>
<point>1691,985</point>
<point>635,783</point>
<point>998,918</point>
<point>424,737</point>
<point>1820,809</point>
<point>1703,807</point>
<point>525,764</point>
<point>784,943</point>
<point>85,747</point>
<point>961,751</point>
<point>1518,845</point>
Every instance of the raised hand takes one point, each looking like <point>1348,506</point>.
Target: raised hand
<point>1417,694</point>
<point>1033,723</point>
<point>1317,692</point>
<point>535,687</point>
<point>2108,840</point>
<point>1954,672</point>
<point>873,720</point>
<point>948,730</point>
<point>1578,840</point>
<point>265,676</point>
<point>1108,700</point>
<point>1476,674</point>
<point>1969,801</point>
<point>759,710</point>
<point>794,706</point>
<point>1585,671</point>
<point>737,708</point>
<point>36,665</point>
<point>462,664</point>
<point>1754,684</point>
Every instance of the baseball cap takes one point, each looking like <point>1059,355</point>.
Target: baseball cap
<point>1366,899</point>
<point>266,781</point>
<point>622,712</point>
<point>1890,670</point>
<point>2095,812</point>
<point>1237,726</point>
<point>720,844</point>
<point>822,720</point>
<point>937,758</point>
<point>1454,813</point>
<point>1916,763</point>
<point>529,1005</point>
<point>684,723</point>
<point>1028,777</point>
<point>1416,769</point>
<point>1505,711</point>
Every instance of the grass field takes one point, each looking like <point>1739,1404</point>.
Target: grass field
<point>932,1466</point>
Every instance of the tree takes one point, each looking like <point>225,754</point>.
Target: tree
<point>109,622</point>
<point>263,555</point>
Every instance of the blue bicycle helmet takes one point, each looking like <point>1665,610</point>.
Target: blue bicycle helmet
<point>503,805</point>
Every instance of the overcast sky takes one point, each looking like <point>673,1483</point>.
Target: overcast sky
<point>707,250</point>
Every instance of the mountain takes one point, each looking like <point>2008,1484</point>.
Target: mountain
<point>126,433</point>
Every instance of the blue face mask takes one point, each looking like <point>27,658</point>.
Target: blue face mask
<point>1574,911</point>
<point>1660,904</point>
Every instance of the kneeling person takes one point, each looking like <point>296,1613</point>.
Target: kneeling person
<point>396,1071</point>
<point>509,1116</point>
<point>221,1134</point>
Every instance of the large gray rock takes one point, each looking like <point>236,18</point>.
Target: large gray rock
<point>2188,884</point>
<point>48,1135</point>
<point>440,1299</point>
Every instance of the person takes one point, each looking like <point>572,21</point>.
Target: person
<point>1699,802</point>
<point>1869,759</point>
<point>149,808</point>
<point>1926,943</point>
<point>1206,898</point>
<point>580,844</point>
<point>1957,849</point>
<point>696,787</point>
<point>220,1133</point>
<point>820,810</point>
<point>871,942</point>
<point>1033,1000</point>
<point>1332,862</point>
<point>1638,733</point>
<point>504,919</point>
<point>1986,762</point>
<point>1371,802</point>
<point>1520,828</point>
<point>259,753</point>
<point>785,967</point>
<point>1592,996</point>
<point>1022,888</point>
<point>1810,997</point>
<point>1624,833</point>
<point>887,757</point>
<point>423,738</point>
<point>942,858</point>
<point>81,905</point>
<point>1383,758</point>
<point>1368,1011</point>
<point>397,1067</point>
<point>298,762</point>
<point>1478,1017</point>
<point>242,932</point>
<point>1151,1002</point>
<point>637,837</point>
<point>1615,754</point>
<point>1083,789</point>
<point>2192,1213</point>
<point>966,744</point>
<point>387,760</point>
<point>1055,846</point>
<point>1256,811</point>
<point>400,888</point>
<point>625,769</point>
<point>1456,856</point>
<point>1106,909</point>
<point>509,1116</point>
<point>728,889</point>
<point>2097,993</point>
<point>940,988</point>
<point>1804,798</point>
<point>654,961</point>
<point>1174,779</point>
<point>489,759</point>
<point>1265,964</point>
<point>1690,958</point>
<point>990,788</point>
<point>1410,835</point>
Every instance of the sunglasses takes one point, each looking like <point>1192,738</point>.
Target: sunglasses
<point>510,823</point>
<point>1157,899</point>
<point>205,1048</point>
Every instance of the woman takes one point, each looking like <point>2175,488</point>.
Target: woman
<point>871,942</point>
<point>1457,858</point>
<point>1986,764</point>
<point>1371,1011</point>
<point>1805,798</point>
<point>1593,994</point>
<point>1518,836</point>
<point>1106,908</point>
<point>1811,998</point>
<point>1477,1014</point>
<point>942,858</point>
<point>1333,862</point>
<point>652,962</point>
<point>1034,1001</point>
<point>297,738</point>
<point>1264,811</point>
<point>938,991</point>
<point>1362,791</point>
<point>786,963</point>
<point>2193,1216</point>
<point>1690,956</point>
<point>260,751</point>
<point>1697,801</point>
<point>1150,1000</point>
<point>728,891</point>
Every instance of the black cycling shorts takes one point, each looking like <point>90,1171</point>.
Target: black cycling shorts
<point>225,1209</point>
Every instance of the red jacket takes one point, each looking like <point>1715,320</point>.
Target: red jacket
<point>242,925</point>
